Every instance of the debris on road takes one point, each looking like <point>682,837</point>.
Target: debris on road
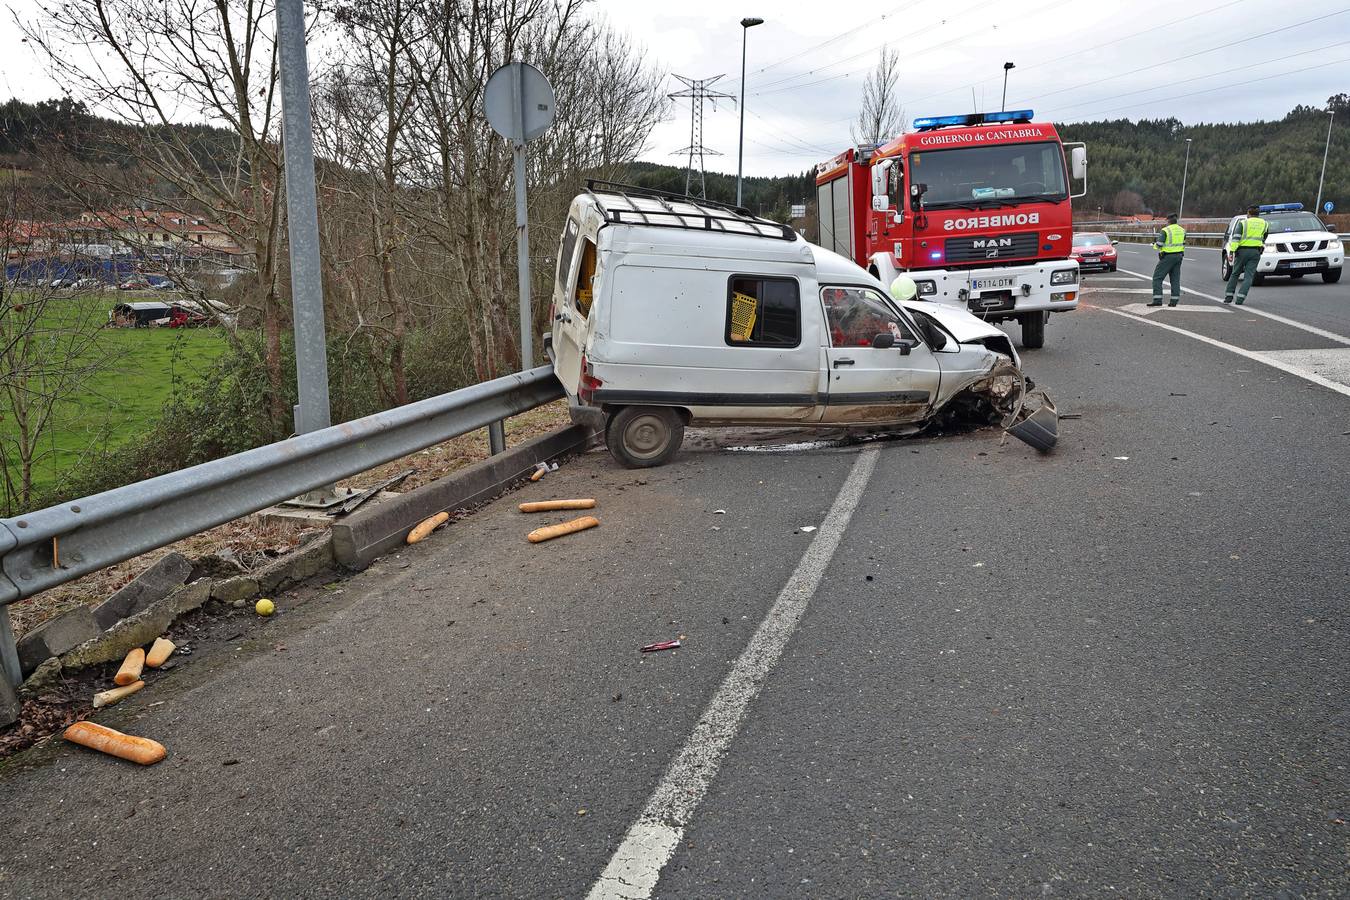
<point>807,529</point>
<point>660,645</point>
<point>719,512</point>
<point>550,505</point>
<point>1063,416</point>
<point>160,650</point>
<point>131,667</point>
<point>264,607</point>
<point>115,743</point>
<point>1039,427</point>
<point>549,532</point>
<point>1121,458</point>
<point>427,526</point>
<point>111,696</point>
<point>355,500</point>
<point>538,472</point>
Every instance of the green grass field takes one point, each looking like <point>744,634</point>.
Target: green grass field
<point>122,401</point>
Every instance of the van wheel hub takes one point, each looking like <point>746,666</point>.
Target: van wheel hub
<point>646,436</point>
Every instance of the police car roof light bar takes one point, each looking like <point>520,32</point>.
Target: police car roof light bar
<point>928,123</point>
<point>1280,207</point>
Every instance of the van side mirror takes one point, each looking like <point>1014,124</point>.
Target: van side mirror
<point>883,341</point>
<point>1113,243</point>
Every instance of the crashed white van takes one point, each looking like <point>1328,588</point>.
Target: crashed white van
<point>669,311</point>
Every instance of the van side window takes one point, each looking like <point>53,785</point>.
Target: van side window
<point>569,243</point>
<point>581,299</point>
<point>857,315</point>
<point>763,312</point>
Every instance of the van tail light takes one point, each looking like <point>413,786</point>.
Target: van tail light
<point>589,384</point>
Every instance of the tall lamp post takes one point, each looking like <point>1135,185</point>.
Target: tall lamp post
<point>1185,167</point>
<point>1007,67</point>
<point>1323,178</point>
<point>746,25</point>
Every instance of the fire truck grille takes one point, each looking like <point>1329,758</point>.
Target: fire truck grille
<point>981,248</point>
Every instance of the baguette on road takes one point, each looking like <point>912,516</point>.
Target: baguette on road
<point>548,505</point>
<point>131,668</point>
<point>115,743</point>
<point>159,652</point>
<point>424,529</point>
<point>109,697</point>
<point>549,532</point>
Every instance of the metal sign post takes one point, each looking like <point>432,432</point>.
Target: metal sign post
<point>519,103</point>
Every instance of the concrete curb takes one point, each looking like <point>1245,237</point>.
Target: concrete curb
<point>365,536</point>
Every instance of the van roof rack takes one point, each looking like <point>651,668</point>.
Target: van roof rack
<point>705,215</point>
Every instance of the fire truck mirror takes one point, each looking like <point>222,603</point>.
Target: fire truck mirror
<point>879,181</point>
<point>1078,159</point>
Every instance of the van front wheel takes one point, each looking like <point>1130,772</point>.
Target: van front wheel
<point>640,437</point>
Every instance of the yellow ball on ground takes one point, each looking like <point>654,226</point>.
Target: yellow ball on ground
<point>265,607</point>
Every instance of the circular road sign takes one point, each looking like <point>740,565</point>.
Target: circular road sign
<point>519,102</point>
<point>1328,206</point>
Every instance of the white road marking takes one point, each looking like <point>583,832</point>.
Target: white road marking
<point>1332,364</point>
<point>1116,290</point>
<point>1254,355</point>
<point>636,865</point>
<point>1143,309</point>
<point>1329,335</point>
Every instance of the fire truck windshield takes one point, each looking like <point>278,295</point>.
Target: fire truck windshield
<point>990,176</point>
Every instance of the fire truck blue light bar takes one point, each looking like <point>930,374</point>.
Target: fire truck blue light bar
<point>1012,115</point>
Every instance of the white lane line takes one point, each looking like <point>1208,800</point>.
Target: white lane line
<point>1333,364</point>
<point>1254,355</point>
<point>636,865</point>
<point>1329,335</point>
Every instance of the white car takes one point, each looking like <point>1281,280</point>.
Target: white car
<point>670,311</point>
<point>1297,244</point>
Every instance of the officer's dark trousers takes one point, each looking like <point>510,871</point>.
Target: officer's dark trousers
<point>1169,267</point>
<point>1245,261</point>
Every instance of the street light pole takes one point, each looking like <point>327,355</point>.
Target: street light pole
<point>1323,178</point>
<point>746,24</point>
<point>1003,107</point>
<point>1184,168</point>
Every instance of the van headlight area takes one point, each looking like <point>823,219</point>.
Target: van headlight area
<point>1064,276</point>
<point>1063,298</point>
<point>925,288</point>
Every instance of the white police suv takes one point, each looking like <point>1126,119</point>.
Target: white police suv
<point>1297,244</point>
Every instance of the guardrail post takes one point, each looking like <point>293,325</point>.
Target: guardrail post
<point>9,651</point>
<point>497,437</point>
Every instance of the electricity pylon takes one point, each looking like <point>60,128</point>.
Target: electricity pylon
<point>697,91</point>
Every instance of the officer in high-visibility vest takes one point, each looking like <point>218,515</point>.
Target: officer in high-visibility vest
<point>1171,246</point>
<point>1246,248</point>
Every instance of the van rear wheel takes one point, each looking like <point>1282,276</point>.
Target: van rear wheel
<point>640,437</point>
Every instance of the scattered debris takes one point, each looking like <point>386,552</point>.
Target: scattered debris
<point>131,667</point>
<point>357,499</point>
<point>550,505</point>
<point>109,697</point>
<point>549,532</point>
<point>1121,458</point>
<point>807,529</point>
<point>719,512</point>
<point>115,743</point>
<point>1175,394</point>
<point>538,472</point>
<point>1037,427</point>
<point>660,645</point>
<point>160,650</point>
<point>264,607</point>
<point>1064,416</point>
<point>423,530</point>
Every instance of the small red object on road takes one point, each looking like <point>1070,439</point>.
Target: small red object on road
<point>661,645</point>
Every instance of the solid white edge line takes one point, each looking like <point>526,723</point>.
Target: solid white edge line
<point>1254,355</point>
<point>1329,335</point>
<point>635,867</point>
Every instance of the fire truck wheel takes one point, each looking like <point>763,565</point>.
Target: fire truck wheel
<point>640,437</point>
<point>1033,330</point>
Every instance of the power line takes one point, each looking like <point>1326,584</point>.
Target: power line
<point>697,92</point>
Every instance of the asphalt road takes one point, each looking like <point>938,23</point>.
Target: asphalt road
<point>1119,669</point>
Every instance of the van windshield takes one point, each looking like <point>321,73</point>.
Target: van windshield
<point>988,177</point>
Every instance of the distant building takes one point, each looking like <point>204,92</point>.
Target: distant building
<point>151,231</point>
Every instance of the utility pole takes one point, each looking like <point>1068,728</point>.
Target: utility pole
<point>1320,181</point>
<point>1184,168</point>
<point>697,92</point>
<point>746,25</point>
<point>1007,67</point>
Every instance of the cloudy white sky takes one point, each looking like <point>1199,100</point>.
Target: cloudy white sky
<point>1197,60</point>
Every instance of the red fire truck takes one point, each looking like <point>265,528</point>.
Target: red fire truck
<point>975,208</point>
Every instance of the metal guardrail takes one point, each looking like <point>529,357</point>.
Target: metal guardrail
<point>42,549</point>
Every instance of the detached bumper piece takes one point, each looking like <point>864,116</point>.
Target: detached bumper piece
<point>1036,422</point>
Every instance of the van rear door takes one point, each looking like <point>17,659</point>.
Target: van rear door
<point>870,384</point>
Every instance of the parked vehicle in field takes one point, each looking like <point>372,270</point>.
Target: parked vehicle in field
<point>976,208</point>
<point>1094,252</point>
<point>135,283</point>
<point>669,311</point>
<point>87,284</point>
<point>1298,243</point>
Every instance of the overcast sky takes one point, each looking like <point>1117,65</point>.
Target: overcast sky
<point>1197,60</point>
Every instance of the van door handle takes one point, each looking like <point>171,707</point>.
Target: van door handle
<point>843,362</point>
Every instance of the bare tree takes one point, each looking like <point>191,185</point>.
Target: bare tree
<point>160,64</point>
<point>881,117</point>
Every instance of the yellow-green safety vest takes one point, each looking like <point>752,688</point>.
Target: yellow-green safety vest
<point>1174,240</point>
<point>1254,231</point>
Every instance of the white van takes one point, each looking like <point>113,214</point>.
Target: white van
<point>669,311</point>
